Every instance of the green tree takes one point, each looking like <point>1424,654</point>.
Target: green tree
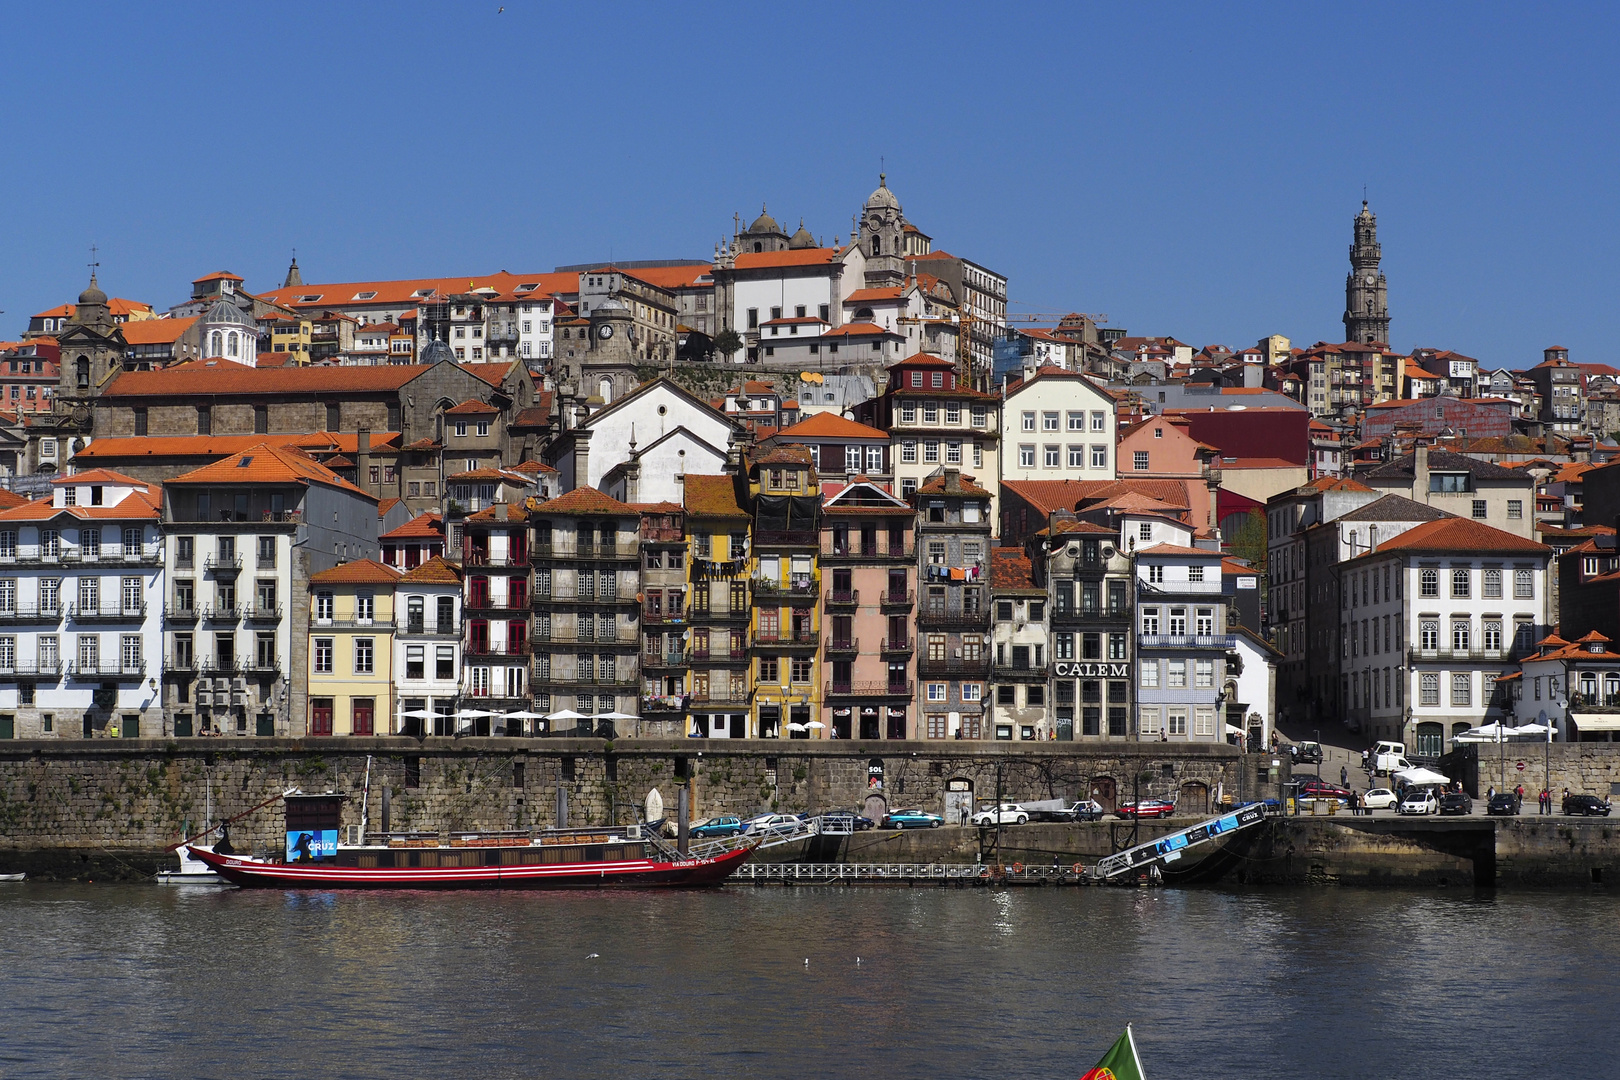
<point>726,342</point>
<point>1249,542</point>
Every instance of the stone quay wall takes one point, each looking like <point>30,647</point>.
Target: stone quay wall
<point>134,795</point>
<point>1582,768</point>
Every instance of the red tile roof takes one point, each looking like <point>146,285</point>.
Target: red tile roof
<point>266,464</point>
<point>436,571</point>
<point>9,499</point>
<point>712,496</point>
<point>1458,535</point>
<point>98,476</point>
<point>357,572</point>
<point>760,260</point>
<point>472,408</point>
<point>347,442</point>
<point>583,500</point>
<point>156,331</point>
<point>1010,570</point>
<point>405,291</point>
<point>424,526</point>
<point>223,377</point>
<point>826,425</point>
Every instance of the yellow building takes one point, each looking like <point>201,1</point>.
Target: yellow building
<point>289,334</point>
<point>785,631</point>
<point>351,649</point>
<point>719,611</point>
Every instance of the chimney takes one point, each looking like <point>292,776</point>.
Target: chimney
<point>500,509</point>
<point>1420,471</point>
<point>582,458</point>
<point>362,460</point>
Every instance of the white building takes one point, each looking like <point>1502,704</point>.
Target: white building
<point>1429,621</point>
<point>81,611</point>
<point>1058,425</point>
<point>229,333</point>
<point>1182,644</point>
<point>427,648</point>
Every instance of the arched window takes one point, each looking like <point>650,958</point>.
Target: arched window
<point>605,387</point>
<point>877,245</point>
<point>213,344</point>
<point>758,246</point>
<point>81,369</point>
<point>230,344</point>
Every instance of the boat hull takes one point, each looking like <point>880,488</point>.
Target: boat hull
<point>635,873</point>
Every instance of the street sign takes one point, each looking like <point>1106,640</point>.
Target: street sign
<point>1520,766</point>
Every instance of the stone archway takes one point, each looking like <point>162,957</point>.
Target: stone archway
<point>1194,798</point>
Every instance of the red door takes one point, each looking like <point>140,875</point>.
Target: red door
<point>362,715</point>
<point>320,716</point>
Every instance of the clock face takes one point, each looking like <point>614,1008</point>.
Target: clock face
<point>1371,280</point>
<point>604,332</point>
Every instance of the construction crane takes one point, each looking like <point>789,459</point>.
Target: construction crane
<point>1053,317</point>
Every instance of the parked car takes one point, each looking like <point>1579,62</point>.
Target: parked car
<point>912,819</point>
<point>1379,798</point>
<point>1005,814</point>
<point>862,823</point>
<point>772,823</point>
<point>1306,753</point>
<point>1419,801</point>
<point>1456,802</point>
<point>717,826</point>
<point>1312,787</point>
<point>1147,808</point>
<point>1503,803</point>
<point>1585,806</point>
<point>1088,810</point>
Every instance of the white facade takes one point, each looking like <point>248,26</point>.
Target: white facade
<point>1181,645</point>
<point>427,652</point>
<point>643,418</point>
<point>1058,427</point>
<point>1140,531</point>
<point>81,611</point>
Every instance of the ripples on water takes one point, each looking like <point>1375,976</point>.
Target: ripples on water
<point>148,981</point>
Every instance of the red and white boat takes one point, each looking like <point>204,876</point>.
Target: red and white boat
<point>549,859</point>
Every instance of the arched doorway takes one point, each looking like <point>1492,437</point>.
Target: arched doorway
<point>1431,739</point>
<point>876,807</point>
<point>1103,791</point>
<point>1194,798</point>
<point>958,801</point>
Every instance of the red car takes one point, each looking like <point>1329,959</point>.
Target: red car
<point>1147,808</point>
<point>1312,788</point>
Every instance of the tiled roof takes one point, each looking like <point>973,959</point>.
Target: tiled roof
<point>1077,528</point>
<point>425,526</point>
<point>386,505</point>
<point>1452,535</point>
<point>1010,571</point>
<point>156,331</point>
<point>1176,549</point>
<point>1394,508</point>
<point>356,572</point>
<point>143,503</point>
<point>9,499</point>
<point>533,468</point>
<point>225,445</point>
<point>406,291</point>
<point>858,329</point>
<point>894,292</point>
<point>793,454</point>
<point>472,408</point>
<point>941,485</point>
<point>826,425</point>
<point>584,500</point>
<point>1443,461</point>
<point>1335,483</point>
<point>712,496</point>
<point>98,476</point>
<point>436,571</point>
<point>266,464</point>
<point>760,260</point>
<point>1049,495</point>
<point>223,377</point>
<point>493,372</point>
<point>117,305</point>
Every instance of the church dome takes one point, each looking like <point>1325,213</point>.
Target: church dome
<point>802,238</point>
<point>613,304</point>
<point>436,352</point>
<point>882,197</point>
<point>764,223</point>
<point>93,294</point>
<point>224,311</point>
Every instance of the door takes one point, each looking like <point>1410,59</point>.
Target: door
<point>363,708</point>
<point>8,727</point>
<point>1102,789</point>
<point>320,716</point>
<point>958,802</point>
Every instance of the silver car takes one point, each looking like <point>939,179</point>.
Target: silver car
<point>1006,814</point>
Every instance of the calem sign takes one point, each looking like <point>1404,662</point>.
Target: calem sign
<point>1092,671</point>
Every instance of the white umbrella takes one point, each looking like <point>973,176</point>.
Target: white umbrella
<point>799,727</point>
<point>615,715</point>
<point>524,714</point>
<point>1418,777</point>
<point>566,714</point>
<point>423,714</point>
<point>1534,729</point>
<point>817,724</point>
<point>472,714</point>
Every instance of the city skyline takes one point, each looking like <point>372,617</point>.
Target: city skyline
<point>1183,188</point>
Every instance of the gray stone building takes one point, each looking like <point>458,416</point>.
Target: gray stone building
<point>1366,299</point>
<point>953,611</point>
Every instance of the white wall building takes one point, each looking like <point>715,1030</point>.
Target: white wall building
<point>1058,426</point>
<point>81,611</point>
<point>427,648</point>
<point>1181,644</point>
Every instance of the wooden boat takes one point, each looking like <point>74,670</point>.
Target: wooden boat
<point>549,859</point>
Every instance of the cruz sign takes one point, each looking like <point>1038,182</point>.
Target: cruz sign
<point>1093,671</point>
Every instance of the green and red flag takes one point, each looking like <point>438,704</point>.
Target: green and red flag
<point>1120,1063</point>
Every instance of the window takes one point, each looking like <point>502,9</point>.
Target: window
<point>1195,573</point>
<point>1077,457</point>
<point>908,412</point>
<point>1077,421</point>
<point>1479,508</point>
<point>1099,421</point>
<point>1459,584</point>
<point>1462,685</point>
<point>972,691</point>
<point>1491,635</point>
<point>1204,673</point>
<point>1429,583</point>
<point>1460,635</point>
<point>1175,674</point>
<point>979,414</point>
<point>1049,421</point>
<point>1051,457</point>
<point>323,656</point>
<point>1026,456</point>
<point>1028,422</point>
<point>1139,460</point>
<point>1493,585</point>
<point>1175,722</point>
<point>1150,673</point>
<point>1429,635</point>
<point>415,661</point>
<point>931,450</point>
<point>1150,721</point>
<point>364,655</point>
<point>936,691</point>
<point>1064,647</point>
<point>1099,457</point>
<point>953,453</point>
<point>1204,722</point>
<point>1155,575</point>
<point>461,429</point>
<point>89,594</point>
<point>1524,587</point>
<point>1429,688</point>
<point>1515,509</point>
<point>323,607</point>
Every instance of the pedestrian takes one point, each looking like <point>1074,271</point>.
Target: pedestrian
<point>1518,793</point>
<point>1546,800</point>
<point>1344,775</point>
<point>1490,793</point>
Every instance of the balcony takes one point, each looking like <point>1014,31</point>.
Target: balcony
<point>965,620</point>
<point>719,697</point>
<point>516,559</point>
<point>116,613</point>
<point>494,651</point>
<point>625,681</point>
<point>222,613</point>
<point>422,628</point>
<point>549,596</point>
<point>786,641</point>
<point>1419,654</point>
<point>873,552</point>
<point>662,706</point>
<point>229,564</point>
<point>954,665</point>
<point>176,666</point>
<point>263,667</point>
<point>843,598</point>
<point>113,555</point>
<point>174,613</point>
<point>1014,673</point>
<point>650,661</point>
<point>897,601</point>
<point>33,555</point>
<point>842,647</point>
<point>589,549</point>
<point>662,617</point>
<point>717,656</point>
<point>26,613</point>
<point>29,670</point>
<point>1186,641</point>
<point>107,669</point>
<point>379,625</point>
<point>882,688</point>
<point>1594,703</point>
<point>802,588</point>
<point>262,613</point>
<point>704,616</point>
<point>1091,616</point>
<point>901,647</point>
<point>489,603</point>
<point>625,636</point>
<point>786,538</point>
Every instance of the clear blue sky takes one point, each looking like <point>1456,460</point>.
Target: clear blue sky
<point>1187,169</point>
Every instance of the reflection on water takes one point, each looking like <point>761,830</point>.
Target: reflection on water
<point>149,981</point>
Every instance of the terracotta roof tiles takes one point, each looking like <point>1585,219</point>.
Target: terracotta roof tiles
<point>357,572</point>
<point>425,526</point>
<point>1010,571</point>
<point>265,464</point>
<point>584,500</point>
<point>713,496</point>
<point>436,571</point>
<point>1458,535</point>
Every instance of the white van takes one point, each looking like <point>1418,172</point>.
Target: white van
<point>1389,757</point>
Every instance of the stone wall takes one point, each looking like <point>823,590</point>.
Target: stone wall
<point>134,795</point>
<point>1583,768</point>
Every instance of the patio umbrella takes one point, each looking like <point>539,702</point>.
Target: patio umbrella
<point>423,714</point>
<point>1418,777</point>
<point>522,714</point>
<point>566,714</point>
<point>615,715</point>
<point>473,714</point>
<point>798,727</point>
<point>817,724</point>
<point>1537,730</point>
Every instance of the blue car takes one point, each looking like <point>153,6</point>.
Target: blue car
<point>912,819</point>
<point>718,826</point>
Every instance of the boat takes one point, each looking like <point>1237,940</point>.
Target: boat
<point>543,859</point>
<point>13,877</point>
<point>193,871</point>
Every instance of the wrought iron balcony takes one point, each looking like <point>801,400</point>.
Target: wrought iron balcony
<point>1186,641</point>
<point>262,613</point>
<point>842,646</point>
<point>229,564</point>
<point>107,669</point>
<point>113,613</point>
<point>24,613</point>
<point>844,598</point>
<point>898,647</point>
<point>954,665</point>
<point>881,688</point>
<point>897,601</point>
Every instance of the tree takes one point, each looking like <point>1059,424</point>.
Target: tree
<point>726,343</point>
<point>1249,542</point>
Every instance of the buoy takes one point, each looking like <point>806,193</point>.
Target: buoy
<point>1018,868</point>
<point>1078,869</point>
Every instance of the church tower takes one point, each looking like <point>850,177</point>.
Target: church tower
<point>1366,303</point>
<point>881,231</point>
<point>92,351</point>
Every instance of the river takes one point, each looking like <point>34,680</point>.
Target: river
<point>139,981</point>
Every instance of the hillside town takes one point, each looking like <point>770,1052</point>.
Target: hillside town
<point>811,487</point>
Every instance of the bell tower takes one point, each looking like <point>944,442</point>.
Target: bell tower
<point>881,232</point>
<point>1366,301</point>
<point>92,352</point>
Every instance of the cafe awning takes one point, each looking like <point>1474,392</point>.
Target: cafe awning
<point>1597,721</point>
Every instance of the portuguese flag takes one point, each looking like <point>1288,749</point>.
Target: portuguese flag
<point>1120,1063</point>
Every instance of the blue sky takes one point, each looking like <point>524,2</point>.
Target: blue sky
<point>1186,169</point>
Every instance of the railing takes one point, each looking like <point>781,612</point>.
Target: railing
<point>33,556</point>
<point>352,624</point>
<point>661,617</point>
<point>898,599</point>
<point>1186,641</point>
<point>787,641</point>
<point>262,666</point>
<point>798,588</point>
<point>557,596</point>
<point>216,564</point>
<point>517,559</point>
<point>422,628</point>
<point>119,613</point>
<point>786,538</point>
<point>717,656</point>
<point>844,598</point>
<point>868,551</point>
<point>1012,671</point>
<point>501,332</point>
<point>843,645</point>
<point>696,614</point>
<point>494,650</point>
<point>719,697</point>
<point>868,689</point>
<point>619,679</point>
<point>1090,614</point>
<point>938,617</point>
<point>588,549</point>
<point>260,613</point>
<point>627,636</point>
<point>903,645</point>
<point>489,603</point>
<point>24,669</point>
<point>30,613</point>
<point>176,613</point>
<point>175,665</point>
<point>1419,653</point>
<point>222,613</point>
<point>651,705</point>
<point>218,667</point>
<point>109,554</point>
<point>1593,702</point>
<point>674,659</point>
<point>107,669</point>
<point>952,665</point>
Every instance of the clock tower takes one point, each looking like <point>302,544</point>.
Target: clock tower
<point>1366,303</point>
<point>880,229</point>
<point>608,370</point>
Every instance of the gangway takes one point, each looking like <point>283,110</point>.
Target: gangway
<point>1168,848</point>
<point>768,837</point>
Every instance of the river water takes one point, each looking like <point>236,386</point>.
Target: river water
<point>137,981</point>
